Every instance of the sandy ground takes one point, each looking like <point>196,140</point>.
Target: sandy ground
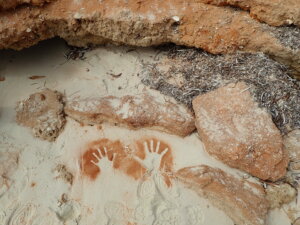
<point>40,193</point>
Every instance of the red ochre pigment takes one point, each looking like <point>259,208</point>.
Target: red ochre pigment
<point>124,161</point>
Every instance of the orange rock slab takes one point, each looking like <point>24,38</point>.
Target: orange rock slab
<point>239,133</point>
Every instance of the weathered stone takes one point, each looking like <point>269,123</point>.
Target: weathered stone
<point>9,4</point>
<point>277,195</point>
<point>236,131</point>
<point>43,113</point>
<point>292,145</point>
<point>134,112</point>
<point>143,23</point>
<point>273,12</point>
<point>243,201</point>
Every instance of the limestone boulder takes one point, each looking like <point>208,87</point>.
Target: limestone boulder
<point>236,131</point>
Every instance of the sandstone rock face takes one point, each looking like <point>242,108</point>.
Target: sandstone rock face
<point>144,23</point>
<point>243,201</point>
<point>8,4</point>
<point>273,12</point>
<point>43,113</point>
<point>134,112</point>
<point>237,132</point>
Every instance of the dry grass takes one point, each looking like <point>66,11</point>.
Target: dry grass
<point>289,36</point>
<point>76,53</point>
<point>200,72</point>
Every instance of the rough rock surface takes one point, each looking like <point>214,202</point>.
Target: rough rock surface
<point>185,73</point>
<point>292,145</point>
<point>278,195</point>
<point>273,12</point>
<point>236,131</point>
<point>243,201</point>
<point>144,23</point>
<point>8,4</point>
<point>134,112</point>
<point>43,113</point>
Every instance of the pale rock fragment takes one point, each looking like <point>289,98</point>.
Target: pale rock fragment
<point>144,111</point>
<point>43,113</point>
<point>279,194</point>
<point>292,146</point>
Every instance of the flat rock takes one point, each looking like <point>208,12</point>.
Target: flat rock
<point>213,28</point>
<point>236,131</point>
<point>134,112</point>
<point>243,201</point>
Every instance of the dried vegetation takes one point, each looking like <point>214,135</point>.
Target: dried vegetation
<point>184,73</point>
<point>289,36</point>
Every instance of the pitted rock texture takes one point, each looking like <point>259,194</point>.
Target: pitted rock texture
<point>134,112</point>
<point>279,194</point>
<point>273,12</point>
<point>143,23</point>
<point>43,113</point>
<point>292,145</point>
<point>11,4</point>
<point>243,201</point>
<point>236,131</point>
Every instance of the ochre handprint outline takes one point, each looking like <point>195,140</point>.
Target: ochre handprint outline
<point>153,191</point>
<point>104,163</point>
<point>150,162</point>
<point>153,158</point>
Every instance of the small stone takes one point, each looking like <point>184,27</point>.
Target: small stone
<point>70,211</point>
<point>239,133</point>
<point>278,195</point>
<point>77,15</point>
<point>176,18</point>
<point>43,113</point>
<point>292,145</point>
<point>297,222</point>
